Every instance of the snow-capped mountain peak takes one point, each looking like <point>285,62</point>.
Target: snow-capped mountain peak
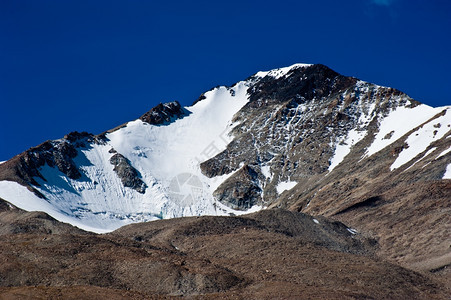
<point>279,138</point>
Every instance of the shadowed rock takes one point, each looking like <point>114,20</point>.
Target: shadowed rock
<point>163,113</point>
<point>128,175</point>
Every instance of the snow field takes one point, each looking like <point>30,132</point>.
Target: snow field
<point>419,140</point>
<point>99,202</point>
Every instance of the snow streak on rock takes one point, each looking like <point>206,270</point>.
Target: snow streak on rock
<point>418,141</point>
<point>285,186</point>
<point>447,174</point>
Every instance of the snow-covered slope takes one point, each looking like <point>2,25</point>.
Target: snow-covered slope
<point>161,154</point>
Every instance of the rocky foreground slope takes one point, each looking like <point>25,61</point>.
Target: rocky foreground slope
<point>266,255</point>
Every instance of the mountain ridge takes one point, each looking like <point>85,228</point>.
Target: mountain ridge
<point>302,138</point>
<point>342,111</point>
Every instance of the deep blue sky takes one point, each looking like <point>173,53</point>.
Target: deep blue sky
<point>92,65</point>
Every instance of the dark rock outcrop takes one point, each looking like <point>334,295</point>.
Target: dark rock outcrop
<point>53,153</point>
<point>241,191</point>
<point>300,84</point>
<point>25,167</point>
<point>164,113</point>
<point>128,175</point>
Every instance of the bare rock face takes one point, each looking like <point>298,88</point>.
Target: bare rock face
<point>241,191</point>
<point>290,122</point>
<point>163,113</point>
<point>128,175</point>
<point>300,84</point>
<point>59,154</point>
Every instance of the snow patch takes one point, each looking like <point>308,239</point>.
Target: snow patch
<point>398,123</point>
<point>419,140</point>
<point>423,156</point>
<point>352,231</point>
<point>447,174</point>
<point>444,153</point>
<point>266,171</point>
<point>343,148</point>
<point>278,73</point>
<point>429,152</point>
<point>21,197</point>
<point>285,186</point>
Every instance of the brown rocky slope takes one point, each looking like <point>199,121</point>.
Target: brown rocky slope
<point>269,254</point>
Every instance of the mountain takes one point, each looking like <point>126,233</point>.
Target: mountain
<point>303,138</point>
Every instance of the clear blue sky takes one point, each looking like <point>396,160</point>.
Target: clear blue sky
<point>92,65</point>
